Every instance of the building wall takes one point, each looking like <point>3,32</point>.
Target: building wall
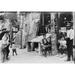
<point>5,24</point>
<point>53,37</point>
<point>29,27</point>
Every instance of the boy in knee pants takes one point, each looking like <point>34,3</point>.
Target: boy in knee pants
<point>14,49</point>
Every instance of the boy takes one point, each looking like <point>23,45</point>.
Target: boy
<point>63,45</point>
<point>14,49</point>
<point>44,45</point>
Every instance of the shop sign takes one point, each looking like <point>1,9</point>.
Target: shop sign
<point>63,29</point>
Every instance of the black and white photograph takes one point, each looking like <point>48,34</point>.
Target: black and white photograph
<point>37,37</point>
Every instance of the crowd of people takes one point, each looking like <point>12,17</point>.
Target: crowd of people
<point>65,44</point>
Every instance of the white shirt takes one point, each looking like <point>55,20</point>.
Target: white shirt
<point>13,46</point>
<point>62,42</point>
<point>70,34</point>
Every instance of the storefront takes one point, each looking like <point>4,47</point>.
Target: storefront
<point>47,26</point>
<point>65,21</point>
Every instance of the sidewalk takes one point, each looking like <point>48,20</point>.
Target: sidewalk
<point>19,51</point>
<point>33,57</point>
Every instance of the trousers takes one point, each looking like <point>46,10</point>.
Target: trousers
<point>70,49</point>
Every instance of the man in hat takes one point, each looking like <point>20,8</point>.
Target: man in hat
<point>70,37</point>
<point>44,45</point>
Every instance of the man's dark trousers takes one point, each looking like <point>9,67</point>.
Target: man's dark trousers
<point>69,49</point>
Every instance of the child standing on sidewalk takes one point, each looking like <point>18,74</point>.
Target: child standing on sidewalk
<point>63,45</point>
<point>14,49</point>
